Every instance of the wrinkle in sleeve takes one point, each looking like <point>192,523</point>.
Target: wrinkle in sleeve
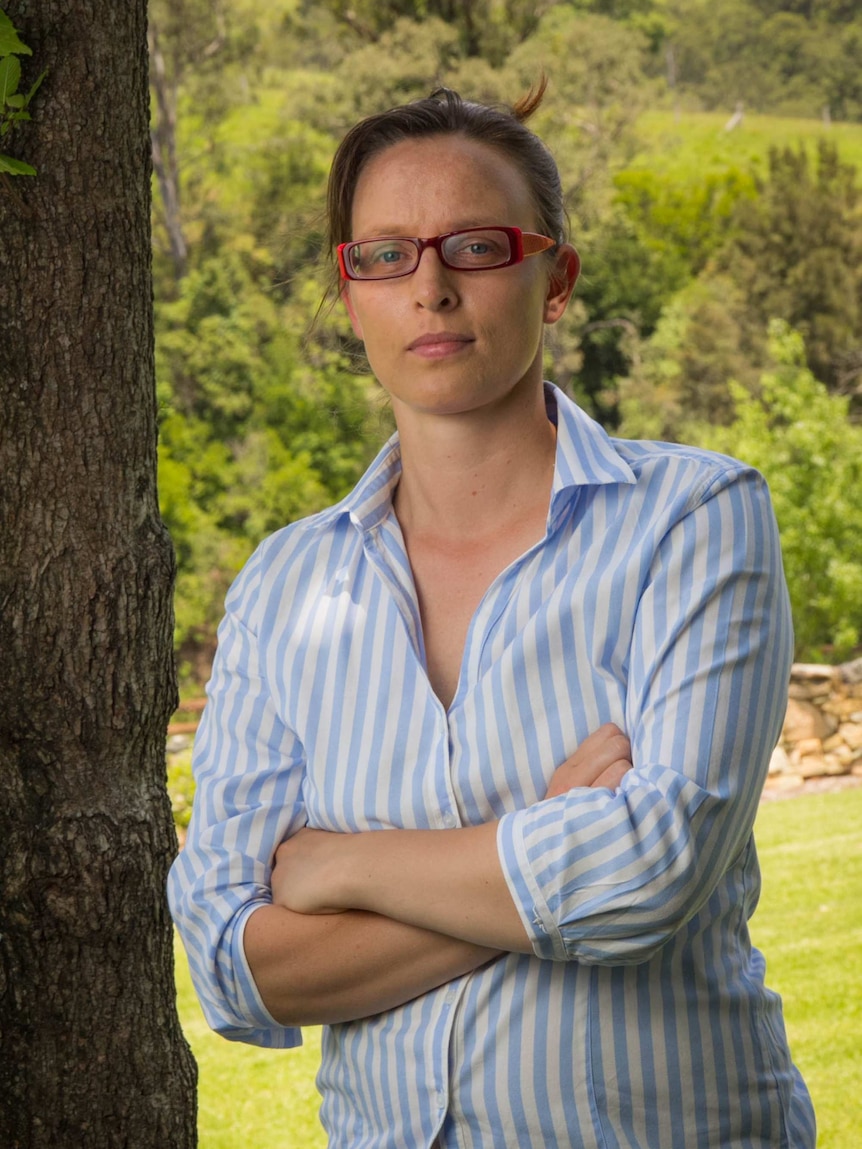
<point>248,771</point>
<point>609,878</point>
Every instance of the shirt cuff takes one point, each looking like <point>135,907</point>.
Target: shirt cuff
<point>536,917</point>
<point>267,1031</point>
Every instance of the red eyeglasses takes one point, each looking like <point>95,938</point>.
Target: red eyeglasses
<point>471,249</point>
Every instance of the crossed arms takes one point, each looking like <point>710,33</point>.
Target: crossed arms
<point>363,922</point>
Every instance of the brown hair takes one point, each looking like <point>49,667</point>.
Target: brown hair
<point>445,112</point>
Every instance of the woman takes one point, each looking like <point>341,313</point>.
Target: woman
<point>550,665</point>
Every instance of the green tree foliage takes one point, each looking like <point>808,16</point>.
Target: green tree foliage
<point>682,225</point>
<point>483,28</point>
<point>406,62</point>
<point>680,377</point>
<point>796,252</point>
<point>795,58</point>
<point>655,239</point>
<point>788,245</point>
<point>799,436</point>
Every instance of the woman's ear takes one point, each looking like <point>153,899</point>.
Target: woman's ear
<point>561,282</point>
<point>347,300</point>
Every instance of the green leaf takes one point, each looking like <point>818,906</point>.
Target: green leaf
<point>36,86</point>
<point>9,41</point>
<point>16,101</point>
<point>10,75</point>
<point>15,167</point>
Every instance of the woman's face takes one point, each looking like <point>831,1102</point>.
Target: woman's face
<point>444,341</point>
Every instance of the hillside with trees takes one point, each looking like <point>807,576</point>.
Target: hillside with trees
<point>721,299</point>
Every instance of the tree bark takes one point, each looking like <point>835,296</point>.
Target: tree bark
<point>91,1052</point>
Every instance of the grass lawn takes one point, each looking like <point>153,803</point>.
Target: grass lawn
<point>695,144</point>
<point>809,924</point>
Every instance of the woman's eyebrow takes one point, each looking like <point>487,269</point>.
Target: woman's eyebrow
<point>385,231</point>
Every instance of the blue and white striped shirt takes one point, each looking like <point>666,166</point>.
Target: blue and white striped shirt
<point>656,601</point>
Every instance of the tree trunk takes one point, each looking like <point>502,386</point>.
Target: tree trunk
<point>91,1053</point>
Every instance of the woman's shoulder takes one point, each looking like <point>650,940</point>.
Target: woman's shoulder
<point>300,539</point>
<point>644,453</point>
<point>674,479</point>
<point>702,467</point>
<point>311,530</point>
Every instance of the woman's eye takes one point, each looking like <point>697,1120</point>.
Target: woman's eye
<point>474,247</point>
<point>385,255</point>
<point>478,250</point>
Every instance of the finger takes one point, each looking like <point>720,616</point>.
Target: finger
<point>557,787</point>
<point>598,742</point>
<point>597,753</point>
<point>609,735</point>
<point>590,759</point>
<point>615,748</point>
<point>605,731</point>
<point>608,778</point>
<point>611,778</point>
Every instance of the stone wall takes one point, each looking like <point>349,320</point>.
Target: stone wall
<point>822,734</point>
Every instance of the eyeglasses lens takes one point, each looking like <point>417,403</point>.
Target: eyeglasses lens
<point>382,258</point>
<point>466,249</point>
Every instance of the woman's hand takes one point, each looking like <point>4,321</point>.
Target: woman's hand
<point>305,877</point>
<point>600,761</point>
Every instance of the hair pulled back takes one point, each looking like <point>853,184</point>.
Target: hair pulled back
<point>444,112</point>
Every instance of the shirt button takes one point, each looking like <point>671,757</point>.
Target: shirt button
<point>449,820</point>
<point>441,1099</point>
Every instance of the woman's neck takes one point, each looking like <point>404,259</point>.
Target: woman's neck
<point>475,475</point>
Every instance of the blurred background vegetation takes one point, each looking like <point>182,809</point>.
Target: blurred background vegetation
<point>710,152</point>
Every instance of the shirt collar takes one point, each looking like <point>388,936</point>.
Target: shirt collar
<point>586,454</point>
<point>586,457</point>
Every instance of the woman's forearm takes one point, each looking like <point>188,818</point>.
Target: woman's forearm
<point>446,881</point>
<point>449,881</point>
<point>329,968</point>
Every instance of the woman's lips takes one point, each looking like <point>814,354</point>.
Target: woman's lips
<point>439,344</point>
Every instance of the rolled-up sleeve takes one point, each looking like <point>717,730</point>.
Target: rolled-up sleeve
<point>248,771</point>
<point>609,878</point>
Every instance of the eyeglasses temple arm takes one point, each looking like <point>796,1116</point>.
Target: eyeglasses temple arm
<point>534,243</point>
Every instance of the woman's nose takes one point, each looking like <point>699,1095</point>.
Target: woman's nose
<point>434,285</point>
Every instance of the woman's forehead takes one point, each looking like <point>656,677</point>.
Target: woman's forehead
<point>461,181</point>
